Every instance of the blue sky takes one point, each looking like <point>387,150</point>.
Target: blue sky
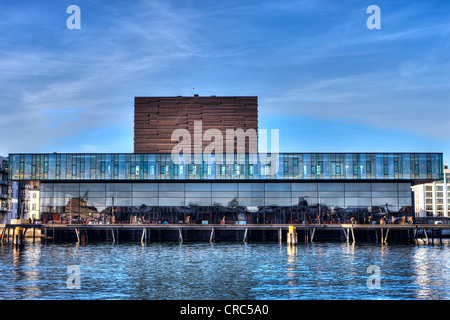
<point>325,80</point>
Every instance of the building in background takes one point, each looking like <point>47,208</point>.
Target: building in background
<point>34,203</point>
<point>433,199</point>
<point>3,187</point>
<point>15,196</point>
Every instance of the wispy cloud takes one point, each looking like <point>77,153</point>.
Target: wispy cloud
<point>73,90</point>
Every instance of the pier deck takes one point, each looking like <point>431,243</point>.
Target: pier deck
<point>241,232</point>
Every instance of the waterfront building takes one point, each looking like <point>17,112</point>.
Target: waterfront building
<point>245,188</point>
<point>308,187</point>
<point>433,199</point>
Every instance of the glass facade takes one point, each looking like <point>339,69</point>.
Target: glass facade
<point>290,166</point>
<point>150,188</point>
<point>241,202</point>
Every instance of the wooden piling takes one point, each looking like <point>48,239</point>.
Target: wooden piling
<point>77,232</point>
<point>245,235</point>
<point>144,235</point>
<point>353,235</point>
<point>426,234</point>
<point>312,234</point>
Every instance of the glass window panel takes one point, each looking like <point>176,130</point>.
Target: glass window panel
<point>392,203</point>
<point>304,186</point>
<point>96,202</point>
<point>384,186</point>
<point>404,202</point>
<point>278,201</point>
<point>277,194</point>
<point>197,201</point>
<point>404,194</point>
<point>358,187</point>
<point>406,165</point>
<point>251,187</point>
<point>93,194</point>
<point>46,194</point>
<point>285,187</point>
<point>196,194</point>
<point>358,201</point>
<point>118,187</point>
<point>404,187</point>
<point>310,201</point>
<point>118,194</point>
<point>46,187</point>
<point>332,201</point>
<point>331,186</point>
<point>222,201</point>
<point>67,187</point>
<point>362,166</point>
<point>60,202</point>
<point>28,166</point>
<point>145,187</point>
<point>349,166</point>
<point>423,166</point>
<point>356,194</point>
<point>304,194</point>
<point>92,187</point>
<point>326,166</point>
<point>383,194</point>
<point>137,202</point>
<point>171,194</point>
<point>251,194</point>
<point>119,202</point>
<point>171,202</point>
<point>47,201</point>
<point>199,187</point>
<point>329,194</point>
<point>435,166</point>
<point>379,166</point>
<point>145,194</point>
<point>224,187</point>
<point>307,166</point>
<point>251,201</point>
<point>171,187</point>
<point>391,166</point>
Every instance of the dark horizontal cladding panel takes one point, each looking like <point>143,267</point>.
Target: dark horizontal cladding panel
<point>197,100</point>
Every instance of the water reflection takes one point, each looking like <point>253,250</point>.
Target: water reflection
<point>431,267</point>
<point>225,271</point>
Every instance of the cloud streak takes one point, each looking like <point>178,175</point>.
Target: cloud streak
<point>73,90</point>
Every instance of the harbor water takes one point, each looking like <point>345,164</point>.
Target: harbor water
<point>225,270</point>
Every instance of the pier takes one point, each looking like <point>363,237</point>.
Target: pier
<point>145,233</point>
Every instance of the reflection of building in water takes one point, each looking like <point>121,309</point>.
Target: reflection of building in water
<point>150,187</point>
